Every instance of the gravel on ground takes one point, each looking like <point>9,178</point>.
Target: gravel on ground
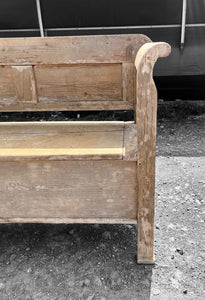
<point>98,262</point>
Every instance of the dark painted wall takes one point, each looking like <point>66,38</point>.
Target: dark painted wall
<point>84,13</point>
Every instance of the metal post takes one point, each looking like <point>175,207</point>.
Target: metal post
<point>183,26</point>
<point>38,5</point>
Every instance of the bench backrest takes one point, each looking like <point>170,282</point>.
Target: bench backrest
<point>68,73</point>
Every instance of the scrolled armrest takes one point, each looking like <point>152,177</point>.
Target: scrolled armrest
<point>146,98</point>
<point>150,52</point>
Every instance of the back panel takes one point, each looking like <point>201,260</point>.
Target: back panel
<point>68,73</point>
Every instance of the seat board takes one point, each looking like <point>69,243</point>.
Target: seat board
<point>66,140</point>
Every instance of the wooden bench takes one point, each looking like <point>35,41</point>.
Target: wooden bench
<point>80,172</point>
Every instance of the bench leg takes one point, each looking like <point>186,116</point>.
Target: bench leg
<point>146,206</point>
<point>145,240</point>
<point>146,119</point>
<point>145,222</point>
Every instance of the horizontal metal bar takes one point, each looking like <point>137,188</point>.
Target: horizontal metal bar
<point>114,27</point>
<point>20,30</point>
<point>103,28</point>
<point>195,25</point>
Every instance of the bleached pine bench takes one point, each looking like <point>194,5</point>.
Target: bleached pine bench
<point>80,172</point>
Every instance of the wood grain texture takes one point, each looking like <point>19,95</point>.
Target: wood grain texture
<point>17,84</point>
<point>70,49</point>
<point>69,220</point>
<point>66,141</point>
<point>69,73</point>
<point>130,142</point>
<point>146,109</point>
<point>61,140</point>
<point>24,83</point>
<point>62,190</point>
<point>99,82</point>
<point>115,180</point>
<point>128,82</point>
<point>7,89</point>
<point>66,106</point>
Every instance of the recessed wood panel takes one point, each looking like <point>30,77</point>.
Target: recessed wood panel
<point>17,85</point>
<point>7,89</point>
<point>100,82</point>
<point>24,83</point>
<point>62,189</point>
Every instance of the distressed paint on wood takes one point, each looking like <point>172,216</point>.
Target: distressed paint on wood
<point>146,113</point>
<point>62,190</point>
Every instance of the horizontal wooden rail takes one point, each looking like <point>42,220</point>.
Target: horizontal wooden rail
<point>21,141</point>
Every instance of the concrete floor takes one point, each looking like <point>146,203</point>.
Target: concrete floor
<point>98,262</point>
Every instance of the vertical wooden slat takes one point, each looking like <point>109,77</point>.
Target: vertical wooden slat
<point>130,141</point>
<point>24,83</point>
<point>128,82</point>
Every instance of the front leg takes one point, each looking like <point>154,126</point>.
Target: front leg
<point>146,115</point>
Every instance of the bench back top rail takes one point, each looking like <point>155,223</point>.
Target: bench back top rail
<point>69,73</point>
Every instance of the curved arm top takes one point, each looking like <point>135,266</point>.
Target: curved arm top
<point>146,97</point>
<point>150,52</point>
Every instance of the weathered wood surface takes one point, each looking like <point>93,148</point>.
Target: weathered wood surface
<point>79,82</point>
<point>67,87</point>
<point>67,141</point>
<point>146,109</point>
<point>24,82</point>
<point>7,88</point>
<point>70,220</point>
<point>128,82</point>
<point>68,73</point>
<point>80,73</point>
<point>71,49</point>
<point>17,84</point>
<point>62,190</point>
<point>64,106</point>
<point>130,141</point>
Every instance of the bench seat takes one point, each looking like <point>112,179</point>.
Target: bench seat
<point>67,141</point>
